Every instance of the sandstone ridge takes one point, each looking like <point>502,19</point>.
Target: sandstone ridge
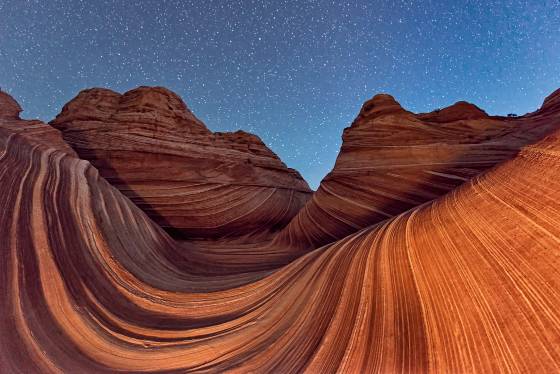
<point>188,179</point>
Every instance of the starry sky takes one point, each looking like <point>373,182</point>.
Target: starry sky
<point>293,72</point>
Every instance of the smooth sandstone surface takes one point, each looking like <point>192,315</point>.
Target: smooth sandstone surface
<point>464,282</point>
<point>392,160</point>
<point>189,180</point>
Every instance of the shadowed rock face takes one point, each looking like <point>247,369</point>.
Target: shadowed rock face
<point>465,282</point>
<point>392,160</point>
<point>188,179</point>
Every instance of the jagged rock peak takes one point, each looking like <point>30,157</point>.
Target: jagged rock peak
<point>9,107</point>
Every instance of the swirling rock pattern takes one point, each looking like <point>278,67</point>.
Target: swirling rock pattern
<point>465,283</point>
<point>196,183</point>
<point>392,160</point>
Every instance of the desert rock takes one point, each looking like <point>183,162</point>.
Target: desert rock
<point>465,282</point>
<point>392,160</point>
<point>191,181</point>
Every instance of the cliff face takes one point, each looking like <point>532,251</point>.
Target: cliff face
<point>467,282</point>
<point>392,160</point>
<point>189,180</point>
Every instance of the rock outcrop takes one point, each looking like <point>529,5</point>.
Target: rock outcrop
<point>392,160</point>
<point>191,181</point>
<point>465,283</point>
<point>32,129</point>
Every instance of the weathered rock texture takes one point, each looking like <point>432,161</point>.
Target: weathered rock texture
<point>465,283</point>
<point>186,178</point>
<point>32,129</point>
<point>392,160</point>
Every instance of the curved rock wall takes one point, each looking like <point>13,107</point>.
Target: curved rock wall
<point>392,160</point>
<point>465,283</point>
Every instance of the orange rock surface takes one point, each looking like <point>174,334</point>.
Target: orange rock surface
<point>465,282</point>
<point>194,182</point>
<point>392,160</point>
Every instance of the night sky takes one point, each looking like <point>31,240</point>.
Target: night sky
<point>293,72</point>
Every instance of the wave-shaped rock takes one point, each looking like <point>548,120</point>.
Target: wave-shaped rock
<point>465,283</point>
<point>196,183</point>
<point>392,160</point>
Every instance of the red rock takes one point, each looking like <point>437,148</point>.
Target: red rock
<point>392,160</point>
<point>461,110</point>
<point>188,179</point>
<point>33,129</point>
<point>465,283</point>
<point>9,108</point>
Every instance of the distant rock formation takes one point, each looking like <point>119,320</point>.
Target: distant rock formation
<point>189,180</point>
<point>392,160</point>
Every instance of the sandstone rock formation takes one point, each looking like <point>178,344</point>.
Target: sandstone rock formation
<point>466,282</point>
<point>34,129</point>
<point>186,178</point>
<point>392,160</point>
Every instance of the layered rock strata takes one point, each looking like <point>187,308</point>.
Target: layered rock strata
<point>189,180</point>
<point>392,160</point>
